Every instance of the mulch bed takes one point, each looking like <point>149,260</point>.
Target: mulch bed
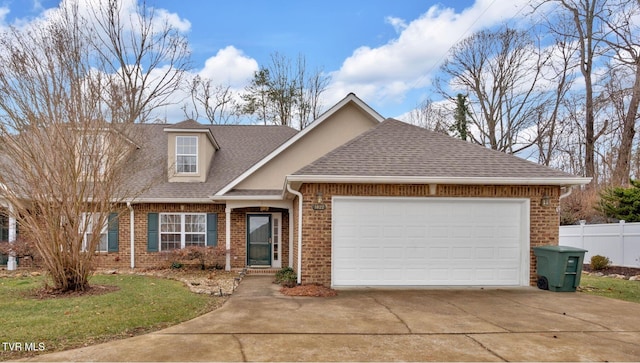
<point>617,270</point>
<point>308,290</point>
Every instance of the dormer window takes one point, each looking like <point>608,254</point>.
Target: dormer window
<point>93,155</point>
<point>190,151</point>
<point>186,154</point>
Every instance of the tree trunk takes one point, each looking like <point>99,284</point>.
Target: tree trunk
<point>622,168</point>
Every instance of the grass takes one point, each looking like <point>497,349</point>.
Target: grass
<point>610,287</point>
<point>142,304</point>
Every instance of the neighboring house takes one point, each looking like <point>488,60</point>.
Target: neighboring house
<point>351,200</point>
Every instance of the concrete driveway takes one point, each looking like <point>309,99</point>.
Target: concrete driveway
<point>520,324</point>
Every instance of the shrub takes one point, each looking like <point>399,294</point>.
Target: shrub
<point>20,248</point>
<point>599,262</point>
<point>206,256</point>
<point>621,203</point>
<point>286,277</point>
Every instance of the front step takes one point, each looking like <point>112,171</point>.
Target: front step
<point>258,270</point>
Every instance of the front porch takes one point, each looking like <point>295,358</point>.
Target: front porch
<point>258,234</point>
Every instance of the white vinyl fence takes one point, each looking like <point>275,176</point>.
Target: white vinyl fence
<point>620,242</point>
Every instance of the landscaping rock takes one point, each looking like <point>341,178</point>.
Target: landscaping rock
<point>617,276</point>
<point>634,278</point>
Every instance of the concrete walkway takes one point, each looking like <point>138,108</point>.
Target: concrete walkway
<point>260,324</point>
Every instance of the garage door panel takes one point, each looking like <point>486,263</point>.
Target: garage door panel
<point>410,241</point>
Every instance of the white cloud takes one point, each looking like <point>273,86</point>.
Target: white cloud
<point>398,24</point>
<point>162,15</point>
<point>386,73</point>
<point>4,11</point>
<point>229,66</point>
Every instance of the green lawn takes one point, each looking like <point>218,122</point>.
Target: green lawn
<point>610,287</point>
<point>141,304</point>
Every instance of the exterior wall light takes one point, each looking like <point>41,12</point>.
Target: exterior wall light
<point>545,201</point>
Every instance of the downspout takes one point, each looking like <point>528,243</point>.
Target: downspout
<point>299,195</point>
<point>567,193</point>
<point>131,234</point>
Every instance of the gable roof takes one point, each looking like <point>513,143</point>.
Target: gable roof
<point>350,98</point>
<point>194,126</point>
<point>395,151</point>
<point>234,156</point>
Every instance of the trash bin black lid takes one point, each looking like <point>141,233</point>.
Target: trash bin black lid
<point>559,249</point>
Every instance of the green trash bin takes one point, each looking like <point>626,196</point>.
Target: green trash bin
<point>558,267</point>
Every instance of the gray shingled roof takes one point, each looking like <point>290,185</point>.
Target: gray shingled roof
<point>394,148</point>
<point>241,146</point>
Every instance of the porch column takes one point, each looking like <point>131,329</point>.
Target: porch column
<point>227,236</point>
<point>12,264</point>
<point>290,209</point>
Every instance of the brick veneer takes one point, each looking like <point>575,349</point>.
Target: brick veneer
<point>316,231</point>
<point>145,259</point>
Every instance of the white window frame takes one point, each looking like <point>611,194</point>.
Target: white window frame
<point>178,154</point>
<point>183,233</point>
<point>104,233</point>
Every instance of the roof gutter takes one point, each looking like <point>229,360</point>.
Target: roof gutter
<point>299,195</point>
<point>568,181</point>
<point>174,200</point>
<point>245,197</point>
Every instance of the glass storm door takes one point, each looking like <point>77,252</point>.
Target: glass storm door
<point>259,239</point>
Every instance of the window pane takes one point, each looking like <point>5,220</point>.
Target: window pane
<point>169,241</point>
<point>170,223</point>
<point>103,244</point>
<point>186,164</point>
<point>194,240</point>
<point>195,223</point>
<point>187,145</point>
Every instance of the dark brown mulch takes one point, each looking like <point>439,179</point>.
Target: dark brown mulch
<point>617,270</point>
<point>49,293</point>
<point>308,290</point>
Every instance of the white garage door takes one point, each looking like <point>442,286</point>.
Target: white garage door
<point>430,241</point>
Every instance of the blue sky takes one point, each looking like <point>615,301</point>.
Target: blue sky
<point>385,51</point>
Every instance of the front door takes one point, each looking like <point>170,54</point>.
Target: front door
<point>259,239</point>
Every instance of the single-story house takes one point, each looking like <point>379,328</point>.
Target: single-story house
<point>351,200</point>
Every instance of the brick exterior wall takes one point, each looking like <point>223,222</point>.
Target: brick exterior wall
<point>145,259</point>
<point>316,232</point>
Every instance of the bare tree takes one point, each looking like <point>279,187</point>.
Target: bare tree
<point>63,162</point>
<point>217,102</point>
<point>586,31</point>
<point>145,58</point>
<point>625,71</point>
<point>500,71</point>
<point>552,125</point>
<point>310,88</point>
<point>282,92</point>
<point>431,116</point>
